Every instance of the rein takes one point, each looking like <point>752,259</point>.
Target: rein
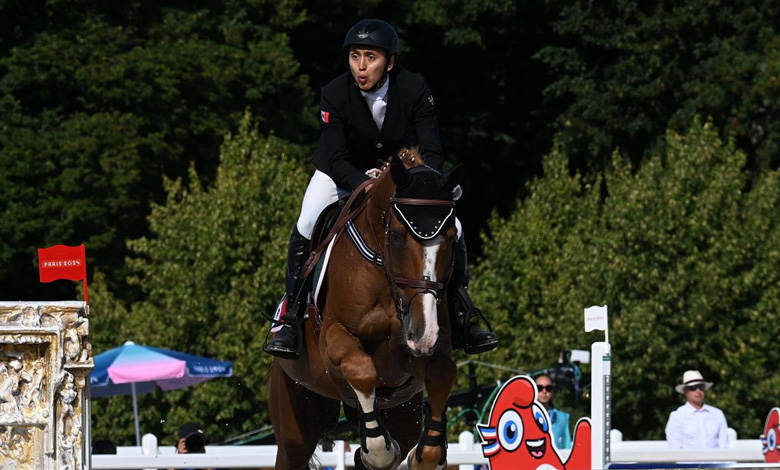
<point>347,212</point>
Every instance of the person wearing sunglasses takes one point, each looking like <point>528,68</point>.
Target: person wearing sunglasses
<point>559,419</point>
<point>696,425</point>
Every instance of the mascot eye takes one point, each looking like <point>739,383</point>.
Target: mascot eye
<point>540,418</point>
<point>771,440</point>
<point>510,430</point>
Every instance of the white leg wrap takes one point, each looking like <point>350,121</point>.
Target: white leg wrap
<point>378,456</point>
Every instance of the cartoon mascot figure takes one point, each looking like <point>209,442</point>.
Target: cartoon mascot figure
<point>518,433</point>
<point>769,438</point>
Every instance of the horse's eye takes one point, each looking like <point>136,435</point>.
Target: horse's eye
<point>396,238</point>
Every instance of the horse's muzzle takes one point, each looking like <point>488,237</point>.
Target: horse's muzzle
<point>421,336</point>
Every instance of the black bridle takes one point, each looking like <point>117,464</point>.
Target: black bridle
<point>424,285</point>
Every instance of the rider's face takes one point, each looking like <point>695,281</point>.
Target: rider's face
<point>367,65</point>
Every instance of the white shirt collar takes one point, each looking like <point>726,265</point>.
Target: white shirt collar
<point>692,409</point>
<point>377,103</point>
<point>380,94</point>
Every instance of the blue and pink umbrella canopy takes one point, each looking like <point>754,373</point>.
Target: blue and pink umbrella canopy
<point>132,369</point>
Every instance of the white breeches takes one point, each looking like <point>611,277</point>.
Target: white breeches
<point>321,193</point>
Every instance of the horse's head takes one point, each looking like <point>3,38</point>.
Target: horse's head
<point>420,237</point>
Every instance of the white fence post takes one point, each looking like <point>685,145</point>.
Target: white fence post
<point>466,441</point>
<point>340,449</point>
<point>149,446</point>
<point>601,389</point>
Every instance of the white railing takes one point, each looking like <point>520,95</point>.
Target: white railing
<point>740,450</point>
<point>464,453</point>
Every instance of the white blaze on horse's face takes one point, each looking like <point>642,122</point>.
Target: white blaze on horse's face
<point>425,343</point>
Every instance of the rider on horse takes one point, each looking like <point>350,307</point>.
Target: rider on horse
<point>368,114</point>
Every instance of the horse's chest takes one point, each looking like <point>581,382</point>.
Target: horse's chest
<point>377,327</point>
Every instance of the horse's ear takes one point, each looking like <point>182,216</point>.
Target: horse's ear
<point>399,172</point>
<point>455,177</point>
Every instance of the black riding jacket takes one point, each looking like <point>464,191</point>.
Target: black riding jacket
<point>351,143</point>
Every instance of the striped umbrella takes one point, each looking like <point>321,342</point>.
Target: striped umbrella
<point>132,369</point>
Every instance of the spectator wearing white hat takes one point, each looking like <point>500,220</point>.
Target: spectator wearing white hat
<point>696,425</point>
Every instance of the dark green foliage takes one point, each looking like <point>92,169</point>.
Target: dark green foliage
<point>680,251</point>
<point>627,70</point>
<point>99,101</point>
<point>478,59</point>
<point>212,268</point>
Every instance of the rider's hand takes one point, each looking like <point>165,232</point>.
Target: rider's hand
<point>373,173</point>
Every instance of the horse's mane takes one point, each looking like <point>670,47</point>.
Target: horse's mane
<point>409,155</point>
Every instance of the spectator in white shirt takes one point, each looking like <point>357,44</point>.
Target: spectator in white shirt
<point>696,425</point>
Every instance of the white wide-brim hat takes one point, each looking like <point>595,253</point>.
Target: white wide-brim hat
<point>691,378</point>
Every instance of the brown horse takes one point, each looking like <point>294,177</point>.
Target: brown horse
<point>385,334</point>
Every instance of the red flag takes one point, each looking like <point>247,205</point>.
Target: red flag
<point>63,262</point>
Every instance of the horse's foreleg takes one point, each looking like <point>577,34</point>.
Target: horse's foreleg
<point>431,453</point>
<point>378,450</point>
<point>299,417</point>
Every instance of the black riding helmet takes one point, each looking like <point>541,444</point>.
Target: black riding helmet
<point>376,33</point>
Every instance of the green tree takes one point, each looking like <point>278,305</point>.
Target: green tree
<point>689,239</point>
<point>680,250</point>
<point>212,267</point>
<point>539,271</point>
<point>99,101</point>
<point>627,70</point>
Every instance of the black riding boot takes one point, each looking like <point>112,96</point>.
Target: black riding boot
<point>465,333</point>
<point>289,340</point>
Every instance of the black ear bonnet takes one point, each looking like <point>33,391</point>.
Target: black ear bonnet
<point>424,221</point>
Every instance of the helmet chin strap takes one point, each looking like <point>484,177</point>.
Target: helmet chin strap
<point>379,83</point>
